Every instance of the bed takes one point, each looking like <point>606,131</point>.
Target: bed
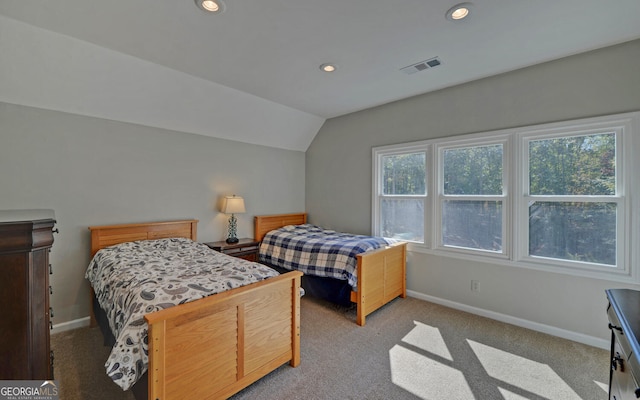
<point>215,346</point>
<point>381,273</point>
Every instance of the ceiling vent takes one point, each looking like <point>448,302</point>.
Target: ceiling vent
<point>421,66</point>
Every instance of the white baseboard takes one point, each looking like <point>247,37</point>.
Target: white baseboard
<point>67,326</point>
<point>551,330</point>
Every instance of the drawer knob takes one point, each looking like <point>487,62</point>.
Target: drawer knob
<point>617,359</point>
<point>615,327</point>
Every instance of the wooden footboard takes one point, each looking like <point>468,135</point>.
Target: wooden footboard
<point>214,347</point>
<point>381,273</point>
<point>381,278</point>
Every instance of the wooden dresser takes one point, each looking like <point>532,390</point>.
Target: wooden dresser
<point>624,322</point>
<point>26,237</point>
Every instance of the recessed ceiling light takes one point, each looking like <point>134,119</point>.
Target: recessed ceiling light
<point>459,11</point>
<point>328,67</point>
<point>211,6</point>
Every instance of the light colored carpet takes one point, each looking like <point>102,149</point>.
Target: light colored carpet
<point>410,349</point>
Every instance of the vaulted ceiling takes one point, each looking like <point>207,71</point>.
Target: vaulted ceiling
<point>252,73</point>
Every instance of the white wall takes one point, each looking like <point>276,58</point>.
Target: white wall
<point>338,179</point>
<point>52,71</point>
<point>93,171</point>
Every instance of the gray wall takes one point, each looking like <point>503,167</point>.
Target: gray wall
<point>92,171</point>
<point>338,177</point>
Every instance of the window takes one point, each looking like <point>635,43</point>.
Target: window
<point>570,211</point>
<point>403,190</point>
<point>574,198</point>
<point>471,201</point>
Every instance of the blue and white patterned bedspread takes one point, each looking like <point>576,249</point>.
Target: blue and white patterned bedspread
<point>313,250</point>
<point>136,278</point>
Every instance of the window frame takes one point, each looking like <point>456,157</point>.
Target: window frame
<point>623,164</point>
<point>378,176</point>
<point>515,191</point>
<point>483,141</point>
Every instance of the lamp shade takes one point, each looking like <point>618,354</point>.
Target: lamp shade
<point>233,205</point>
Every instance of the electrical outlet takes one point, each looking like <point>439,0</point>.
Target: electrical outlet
<point>475,285</point>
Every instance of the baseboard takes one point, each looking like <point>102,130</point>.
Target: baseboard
<point>548,329</point>
<point>67,326</point>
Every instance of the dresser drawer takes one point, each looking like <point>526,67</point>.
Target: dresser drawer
<point>616,328</point>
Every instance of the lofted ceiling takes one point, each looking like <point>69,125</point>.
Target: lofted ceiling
<point>252,72</point>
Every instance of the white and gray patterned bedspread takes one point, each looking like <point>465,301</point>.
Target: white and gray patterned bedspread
<point>136,278</point>
<point>313,250</point>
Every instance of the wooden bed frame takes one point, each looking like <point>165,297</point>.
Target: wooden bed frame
<point>216,346</point>
<point>381,272</point>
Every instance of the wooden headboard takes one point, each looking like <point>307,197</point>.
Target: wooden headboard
<point>266,223</point>
<point>108,235</point>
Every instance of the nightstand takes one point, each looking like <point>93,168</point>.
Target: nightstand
<point>245,248</point>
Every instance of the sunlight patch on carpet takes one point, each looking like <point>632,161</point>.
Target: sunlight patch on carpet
<point>603,386</point>
<point>425,377</point>
<point>510,395</point>
<point>525,374</point>
<point>428,338</point>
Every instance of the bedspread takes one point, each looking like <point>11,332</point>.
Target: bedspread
<point>313,250</point>
<point>136,278</point>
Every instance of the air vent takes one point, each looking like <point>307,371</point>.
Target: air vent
<point>421,66</point>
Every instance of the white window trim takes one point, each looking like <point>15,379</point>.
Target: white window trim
<point>484,140</point>
<point>514,225</point>
<point>408,148</point>
<point>623,164</point>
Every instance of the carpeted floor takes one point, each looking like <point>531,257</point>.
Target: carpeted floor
<point>410,349</point>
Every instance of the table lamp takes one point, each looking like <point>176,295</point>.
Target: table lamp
<point>233,205</point>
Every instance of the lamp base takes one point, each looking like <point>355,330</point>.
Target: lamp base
<point>232,240</point>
